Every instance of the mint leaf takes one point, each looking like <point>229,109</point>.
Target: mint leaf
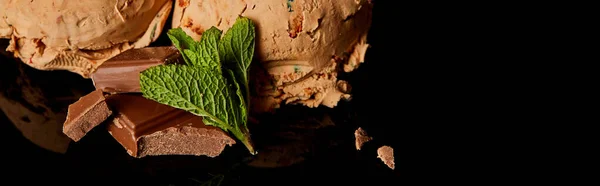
<point>202,92</point>
<point>183,42</point>
<point>204,53</point>
<point>239,102</point>
<point>200,87</point>
<point>237,49</point>
<point>196,90</point>
<point>207,50</point>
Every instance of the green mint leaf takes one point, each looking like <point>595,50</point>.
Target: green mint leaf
<point>193,89</point>
<point>237,49</point>
<point>204,53</point>
<point>243,117</point>
<point>183,42</point>
<point>201,91</point>
<point>189,54</point>
<point>208,51</point>
<point>239,93</point>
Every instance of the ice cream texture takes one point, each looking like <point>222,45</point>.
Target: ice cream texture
<point>79,35</point>
<point>302,45</point>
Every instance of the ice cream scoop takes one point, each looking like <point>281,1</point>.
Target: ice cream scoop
<point>79,35</point>
<point>301,44</point>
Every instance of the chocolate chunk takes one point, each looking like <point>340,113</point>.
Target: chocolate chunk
<point>361,137</point>
<point>145,127</point>
<point>122,72</point>
<point>86,113</point>
<point>386,154</point>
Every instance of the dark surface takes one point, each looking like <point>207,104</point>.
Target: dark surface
<point>99,159</point>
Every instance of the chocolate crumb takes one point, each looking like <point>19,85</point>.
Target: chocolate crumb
<point>361,137</point>
<point>386,154</point>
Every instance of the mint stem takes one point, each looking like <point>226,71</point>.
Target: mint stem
<point>248,143</point>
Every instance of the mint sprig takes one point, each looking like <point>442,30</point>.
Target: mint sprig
<point>213,83</point>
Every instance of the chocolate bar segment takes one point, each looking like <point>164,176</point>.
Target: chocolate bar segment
<point>86,113</point>
<point>122,72</point>
<point>145,128</point>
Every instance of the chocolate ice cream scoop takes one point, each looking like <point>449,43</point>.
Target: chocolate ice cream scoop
<point>79,35</point>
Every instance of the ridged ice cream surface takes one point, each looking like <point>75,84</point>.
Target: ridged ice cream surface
<point>79,35</point>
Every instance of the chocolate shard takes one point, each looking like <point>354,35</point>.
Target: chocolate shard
<point>386,154</point>
<point>122,73</point>
<point>86,113</point>
<point>361,138</point>
<point>147,128</point>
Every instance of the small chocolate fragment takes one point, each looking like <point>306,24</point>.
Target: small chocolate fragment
<point>86,113</point>
<point>361,137</point>
<point>386,154</point>
<point>145,127</point>
<point>122,72</point>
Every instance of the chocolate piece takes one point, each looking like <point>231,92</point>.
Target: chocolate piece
<point>122,72</point>
<point>145,127</point>
<point>86,113</point>
<point>361,137</point>
<point>386,154</point>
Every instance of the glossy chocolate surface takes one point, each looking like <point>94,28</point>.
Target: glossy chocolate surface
<point>86,113</point>
<point>122,72</point>
<point>140,122</point>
